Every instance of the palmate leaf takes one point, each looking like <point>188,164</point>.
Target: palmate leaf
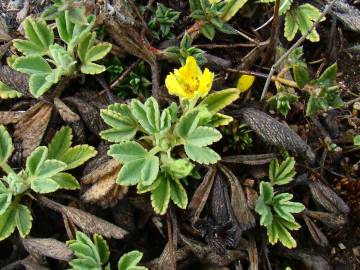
<point>70,32</point>
<point>302,18</point>
<point>140,113</point>
<point>278,231</point>
<point>220,99</point>
<point>6,145</point>
<point>61,150</point>
<point>284,207</point>
<point>66,181</point>
<point>89,254</point>
<point>282,174</point>
<point>160,197</point>
<point>202,155</point>
<point>88,53</point>
<point>7,92</point>
<point>124,126</point>
<point>139,165</point>
<point>263,202</point>
<point>65,64</point>
<point>39,37</point>
<point>129,261</point>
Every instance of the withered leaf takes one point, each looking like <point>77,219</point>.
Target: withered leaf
<point>327,198</point>
<point>89,112</point>
<point>4,35</point>
<point>249,159</point>
<point>87,222</point>
<point>332,220</point>
<point>32,126</point>
<point>253,255</point>
<point>15,80</point>
<point>347,14</point>
<point>48,247</point>
<point>72,119</point>
<point>275,133</point>
<point>317,235</point>
<point>201,195</point>
<point>31,264</point>
<point>104,189</point>
<point>239,204</point>
<point>10,117</point>
<point>310,260</point>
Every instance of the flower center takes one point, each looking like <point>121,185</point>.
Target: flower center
<point>192,85</point>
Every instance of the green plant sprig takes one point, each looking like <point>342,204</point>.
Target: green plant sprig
<point>147,141</point>
<point>276,209</point>
<point>45,172</point>
<point>46,62</point>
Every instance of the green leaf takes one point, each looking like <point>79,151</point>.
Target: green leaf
<point>127,151</point>
<point>7,92</point>
<point>278,232</point>
<point>178,193</point>
<point>208,30</point>
<point>117,120</point>
<point>89,254</point>
<point>129,261</point>
<point>356,140</point>
<point>32,65</point>
<point>329,75</point>
<point>7,222</point>
<point>263,202</point>
<point>39,37</point>
<point>202,155</point>
<point>102,248</point>
<point>282,174</point>
<point>72,33</point>
<point>219,119</point>
<point>178,168</point>
<point>160,196</point>
<point>306,15</point>
<point>5,198</point>
<point>60,143</point>
<point>49,168</point>
<point>117,135</point>
<point>130,173</point>
<point>139,112</point>
<point>66,181</point>
<point>203,136</point>
<point>36,159</point>
<point>77,155</point>
<point>23,220</point>
<point>220,99</point>
<point>231,8</point>
<point>38,84</point>
<point>187,123</point>
<point>88,53</point>
<point>150,170</point>
<point>301,75</point>
<point>153,113</point>
<point>44,185</point>
<point>77,16</point>
<point>6,145</point>
<point>65,64</point>
<point>290,26</point>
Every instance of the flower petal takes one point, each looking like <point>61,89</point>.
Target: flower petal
<point>173,86</point>
<point>206,81</point>
<point>190,73</point>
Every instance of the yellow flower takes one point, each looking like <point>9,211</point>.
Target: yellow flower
<point>189,82</point>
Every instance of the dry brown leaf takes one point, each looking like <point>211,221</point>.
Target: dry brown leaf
<point>239,204</point>
<point>327,198</point>
<point>332,220</point>
<point>201,195</point>
<point>72,119</point>
<point>10,117</point>
<point>48,247</point>
<point>275,133</point>
<point>104,190</point>
<point>85,221</point>
<point>15,80</point>
<point>250,159</point>
<point>32,126</point>
<point>4,36</point>
<point>317,235</point>
<point>31,263</point>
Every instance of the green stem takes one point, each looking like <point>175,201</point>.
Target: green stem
<point>6,168</point>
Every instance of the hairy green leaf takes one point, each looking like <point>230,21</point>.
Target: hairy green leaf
<point>220,99</point>
<point>6,145</point>
<point>39,37</point>
<point>202,155</point>
<point>66,181</point>
<point>5,198</point>
<point>7,222</point>
<point>178,193</point>
<point>160,196</point>
<point>127,151</point>
<point>231,8</point>
<point>203,136</point>
<point>129,261</point>
<point>77,155</point>
<point>187,123</point>
<point>23,220</point>
<point>44,185</point>
<point>7,92</point>
<point>60,143</point>
<point>282,174</point>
